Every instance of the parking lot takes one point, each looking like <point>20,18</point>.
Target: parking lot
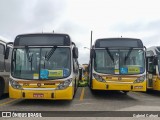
<point>85,100</point>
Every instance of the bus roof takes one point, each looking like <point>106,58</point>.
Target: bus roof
<point>4,40</point>
<point>152,51</point>
<point>42,39</point>
<point>118,42</point>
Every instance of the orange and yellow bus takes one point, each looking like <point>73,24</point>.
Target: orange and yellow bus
<point>117,64</point>
<point>44,66</point>
<point>153,68</point>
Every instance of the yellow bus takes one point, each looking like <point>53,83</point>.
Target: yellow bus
<point>5,58</point>
<point>44,66</point>
<point>153,68</point>
<point>117,64</point>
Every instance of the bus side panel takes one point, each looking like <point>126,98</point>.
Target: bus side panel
<point>66,94</point>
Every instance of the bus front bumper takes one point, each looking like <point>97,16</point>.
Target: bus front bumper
<point>65,94</point>
<point>96,85</point>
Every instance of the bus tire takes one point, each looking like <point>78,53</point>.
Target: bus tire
<point>2,84</point>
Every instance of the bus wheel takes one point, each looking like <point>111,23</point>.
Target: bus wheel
<point>1,87</point>
<point>125,92</point>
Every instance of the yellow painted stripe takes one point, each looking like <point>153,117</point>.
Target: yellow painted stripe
<point>2,104</point>
<point>82,94</point>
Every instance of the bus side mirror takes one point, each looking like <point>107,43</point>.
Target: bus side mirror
<point>92,53</point>
<point>7,50</point>
<point>75,52</point>
<point>155,60</point>
<point>6,53</point>
<point>150,67</point>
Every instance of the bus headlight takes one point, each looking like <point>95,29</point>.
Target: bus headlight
<point>140,79</point>
<point>98,78</point>
<point>15,84</point>
<point>64,84</point>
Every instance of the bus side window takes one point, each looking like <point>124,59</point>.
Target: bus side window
<point>1,57</point>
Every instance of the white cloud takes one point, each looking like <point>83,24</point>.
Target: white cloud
<point>107,18</point>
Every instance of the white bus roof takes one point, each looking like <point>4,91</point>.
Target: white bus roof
<point>118,42</point>
<point>2,39</point>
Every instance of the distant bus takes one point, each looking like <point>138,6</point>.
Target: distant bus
<point>117,64</point>
<point>153,68</point>
<point>83,70</point>
<point>44,66</point>
<point>5,61</point>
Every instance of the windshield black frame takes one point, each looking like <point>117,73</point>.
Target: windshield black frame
<point>40,60</point>
<point>118,50</point>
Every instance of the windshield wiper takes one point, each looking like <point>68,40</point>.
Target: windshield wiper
<point>128,54</point>
<point>109,53</point>
<point>29,57</point>
<point>50,53</point>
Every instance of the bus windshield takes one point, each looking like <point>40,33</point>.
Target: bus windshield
<point>41,63</point>
<point>127,61</point>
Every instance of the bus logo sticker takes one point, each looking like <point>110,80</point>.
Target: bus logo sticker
<point>44,74</point>
<point>25,84</point>
<point>38,84</point>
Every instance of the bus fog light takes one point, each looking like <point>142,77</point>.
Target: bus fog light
<point>64,84</point>
<point>15,84</point>
<point>140,79</point>
<point>98,78</point>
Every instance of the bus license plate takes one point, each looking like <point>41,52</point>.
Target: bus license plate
<point>38,95</point>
